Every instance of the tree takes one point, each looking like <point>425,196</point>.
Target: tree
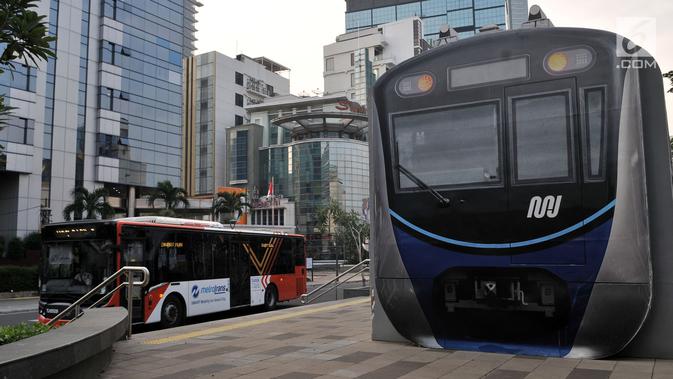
<point>172,197</point>
<point>23,33</point>
<point>348,227</point>
<point>92,204</point>
<point>229,202</point>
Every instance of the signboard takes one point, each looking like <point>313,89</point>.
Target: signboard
<point>206,296</point>
<point>256,290</point>
<point>309,263</point>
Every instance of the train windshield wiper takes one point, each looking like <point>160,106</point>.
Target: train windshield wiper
<point>444,202</point>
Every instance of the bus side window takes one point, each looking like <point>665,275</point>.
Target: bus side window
<point>202,256</point>
<point>298,251</point>
<point>220,247</point>
<point>179,261</point>
<point>284,264</point>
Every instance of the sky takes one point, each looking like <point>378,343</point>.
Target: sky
<point>293,32</point>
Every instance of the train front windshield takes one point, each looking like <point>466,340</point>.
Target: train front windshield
<point>75,267</point>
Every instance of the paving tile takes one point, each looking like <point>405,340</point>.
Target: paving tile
<point>285,336</point>
<point>594,364</point>
<point>521,364</point>
<point>394,370</point>
<point>283,350</point>
<point>194,372</point>
<point>506,374</point>
<point>357,357</point>
<point>296,375</point>
<point>207,353</point>
<point>581,373</point>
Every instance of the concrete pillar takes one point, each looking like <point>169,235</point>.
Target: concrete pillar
<point>132,201</point>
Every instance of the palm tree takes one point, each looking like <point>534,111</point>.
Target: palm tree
<point>229,203</point>
<point>172,197</point>
<point>93,204</point>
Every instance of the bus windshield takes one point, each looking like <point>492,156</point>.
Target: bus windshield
<point>75,267</point>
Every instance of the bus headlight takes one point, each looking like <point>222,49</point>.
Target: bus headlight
<point>561,62</point>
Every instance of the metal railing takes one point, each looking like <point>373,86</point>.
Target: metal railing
<point>129,283</point>
<point>305,298</point>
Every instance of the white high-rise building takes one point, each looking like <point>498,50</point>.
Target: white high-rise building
<point>217,90</point>
<point>358,58</point>
<point>106,112</point>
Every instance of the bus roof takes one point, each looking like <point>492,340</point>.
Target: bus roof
<point>177,223</point>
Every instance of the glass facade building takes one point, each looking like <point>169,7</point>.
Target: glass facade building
<point>106,111</point>
<point>317,152</point>
<point>465,16</point>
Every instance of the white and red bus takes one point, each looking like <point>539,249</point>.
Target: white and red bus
<point>196,267</point>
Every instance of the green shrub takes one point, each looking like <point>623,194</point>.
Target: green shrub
<point>17,332</point>
<point>16,249</point>
<point>18,278</point>
<point>33,241</point>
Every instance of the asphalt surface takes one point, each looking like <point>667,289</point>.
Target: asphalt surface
<point>16,311</point>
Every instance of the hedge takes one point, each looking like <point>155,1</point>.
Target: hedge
<point>17,332</point>
<point>16,278</point>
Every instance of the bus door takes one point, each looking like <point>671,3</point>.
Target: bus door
<point>133,255</point>
<point>545,190</point>
<point>239,269</point>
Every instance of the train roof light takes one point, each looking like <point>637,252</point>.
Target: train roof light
<point>569,60</point>
<point>537,19</point>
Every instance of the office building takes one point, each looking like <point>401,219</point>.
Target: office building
<point>316,151</point>
<point>106,112</point>
<point>465,16</point>
<point>218,88</point>
<point>358,58</point>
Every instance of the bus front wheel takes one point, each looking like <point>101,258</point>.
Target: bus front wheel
<point>270,298</point>
<point>172,312</point>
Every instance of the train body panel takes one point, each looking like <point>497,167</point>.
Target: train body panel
<point>510,202</point>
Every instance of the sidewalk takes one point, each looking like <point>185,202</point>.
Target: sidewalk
<point>333,340</point>
<point>22,304</point>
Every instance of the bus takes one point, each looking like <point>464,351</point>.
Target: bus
<point>196,267</point>
<point>522,201</point>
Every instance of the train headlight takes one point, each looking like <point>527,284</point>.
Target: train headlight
<point>414,85</point>
<point>561,62</point>
<point>557,62</point>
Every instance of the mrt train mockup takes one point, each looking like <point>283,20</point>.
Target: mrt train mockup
<point>522,202</point>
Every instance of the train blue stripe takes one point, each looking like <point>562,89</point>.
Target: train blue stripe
<point>563,232</point>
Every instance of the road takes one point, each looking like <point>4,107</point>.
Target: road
<point>16,311</point>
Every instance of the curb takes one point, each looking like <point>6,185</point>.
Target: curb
<point>18,295</point>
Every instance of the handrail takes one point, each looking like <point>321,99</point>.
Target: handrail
<point>129,283</point>
<point>304,297</point>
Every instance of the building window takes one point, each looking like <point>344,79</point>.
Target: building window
<point>239,162</point>
<point>108,52</point>
<point>239,79</point>
<point>329,64</point>
<point>269,90</point>
<point>238,120</point>
<point>489,16</point>
<point>357,20</point>
<point>18,130</point>
<point>352,80</point>
<point>109,146</point>
<point>409,10</point>
<point>20,77</point>
<point>383,15</point>
<point>107,98</point>
<point>352,59</point>
<point>239,100</point>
